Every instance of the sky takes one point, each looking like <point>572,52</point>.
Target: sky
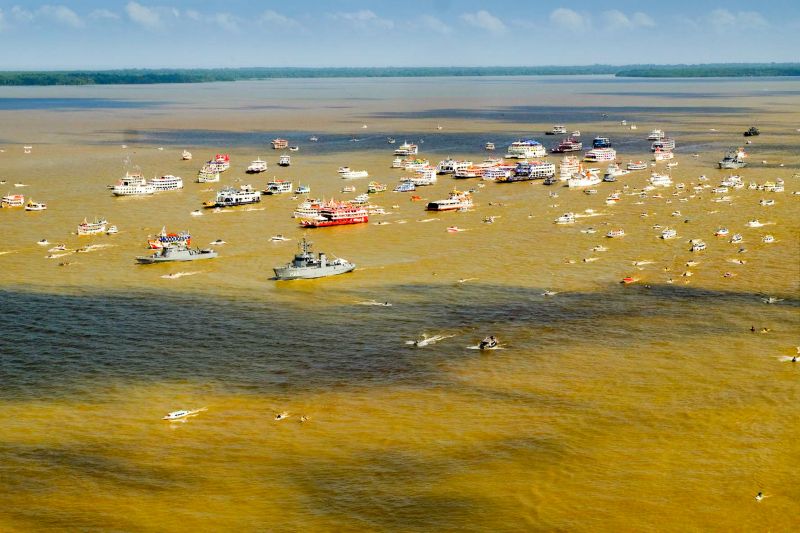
<point>97,34</point>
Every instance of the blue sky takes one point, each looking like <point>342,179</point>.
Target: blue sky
<point>162,33</point>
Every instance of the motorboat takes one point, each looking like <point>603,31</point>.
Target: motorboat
<point>348,174</point>
<point>566,218</point>
<point>637,165</point>
<point>767,239</point>
<point>669,233</point>
<point>186,155</point>
<point>302,189</point>
<point>284,160</point>
<point>257,166</point>
<point>656,135</point>
<point>697,245</point>
<point>489,146</point>
<point>181,414</point>
<point>615,233</point>
<point>489,343</point>
<point>112,230</point>
<point>35,206</point>
<point>278,238</point>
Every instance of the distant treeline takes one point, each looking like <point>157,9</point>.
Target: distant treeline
<point>755,70</point>
<point>150,76</point>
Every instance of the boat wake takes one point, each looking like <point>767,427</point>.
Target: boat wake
<point>177,275</point>
<point>8,252</point>
<point>93,247</point>
<point>478,347</point>
<point>425,340</point>
<point>375,302</point>
<point>56,256</point>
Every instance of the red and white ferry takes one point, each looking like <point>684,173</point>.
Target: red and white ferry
<point>279,144</point>
<point>220,163</point>
<point>13,200</point>
<point>337,214</point>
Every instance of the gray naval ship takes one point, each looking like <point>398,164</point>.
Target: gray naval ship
<point>306,266</point>
<point>733,159</point>
<point>177,253</point>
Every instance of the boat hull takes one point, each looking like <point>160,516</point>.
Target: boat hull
<point>291,274</point>
<point>340,222</point>
<point>149,260</point>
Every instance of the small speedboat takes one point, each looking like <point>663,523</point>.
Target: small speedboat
<point>489,343</point>
<point>767,239</point>
<point>218,242</point>
<point>112,230</point>
<point>278,238</point>
<point>294,148</point>
<point>183,413</point>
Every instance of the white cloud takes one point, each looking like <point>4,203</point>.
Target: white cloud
<point>147,17</point>
<point>191,14</point>
<point>724,20</point>
<point>616,20</point>
<point>273,18</point>
<point>429,22</point>
<point>2,20</point>
<point>61,14</point>
<point>484,20</point>
<point>643,19</point>
<point>58,14</point>
<point>21,14</point>
<point>103,14</point>
<point>226,21</point>
<point>364,19</point>
<point>569,20</point>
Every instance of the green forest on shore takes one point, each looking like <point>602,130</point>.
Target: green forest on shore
<point>151,76</point>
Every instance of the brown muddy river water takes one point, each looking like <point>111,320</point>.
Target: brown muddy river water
<point>642,407</point>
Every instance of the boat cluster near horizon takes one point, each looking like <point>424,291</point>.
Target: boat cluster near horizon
<point>528,164</point>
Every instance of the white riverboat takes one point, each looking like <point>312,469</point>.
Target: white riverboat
<point>348,174</point>
<point>133,185</point>
<point>525,149</point>
<point>167,182</point>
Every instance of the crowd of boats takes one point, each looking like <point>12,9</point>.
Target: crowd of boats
<point>524,160</point>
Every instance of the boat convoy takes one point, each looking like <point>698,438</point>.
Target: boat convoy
<point>529,164</point>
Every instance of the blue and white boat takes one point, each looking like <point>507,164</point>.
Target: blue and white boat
<point>405,186</point>
<point>601,142</point>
